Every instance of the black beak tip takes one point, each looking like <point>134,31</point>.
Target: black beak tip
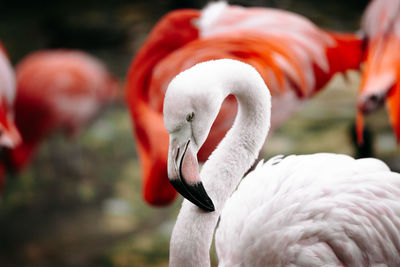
<point>210,207</point>
<point>195,193</point>
<point>203,200</point>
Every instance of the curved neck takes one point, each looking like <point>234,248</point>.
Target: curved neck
<point>193,232</point>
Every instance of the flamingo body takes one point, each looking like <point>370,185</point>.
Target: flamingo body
<point>310,210</point>
<point>57,89</point>
<point>380,81</point>
<point>294,57</point>
<point>9,135</point>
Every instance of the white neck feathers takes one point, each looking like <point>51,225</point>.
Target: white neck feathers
<point>193,232</point>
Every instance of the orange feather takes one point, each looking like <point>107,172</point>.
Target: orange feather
<point>294,57</point>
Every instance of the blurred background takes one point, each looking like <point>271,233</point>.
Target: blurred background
<point>79,202</point>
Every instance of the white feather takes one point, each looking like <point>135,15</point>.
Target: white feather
<point>7,79</point>
<point>303,203</point>
<point>210,14</point>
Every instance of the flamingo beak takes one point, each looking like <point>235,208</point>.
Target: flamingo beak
<point>183,173</point>
<point>368,103</point>
<point>393,105</point>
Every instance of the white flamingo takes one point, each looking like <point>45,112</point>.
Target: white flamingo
<point>311,210</point>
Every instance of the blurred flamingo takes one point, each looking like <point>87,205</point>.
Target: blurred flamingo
<point>57,89</point>
<point>381,76</point>
<point>9,135</point>
<point>294,57</point>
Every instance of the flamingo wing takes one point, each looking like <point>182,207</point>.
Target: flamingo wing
<point>173,31</point>
<point>312,209</point>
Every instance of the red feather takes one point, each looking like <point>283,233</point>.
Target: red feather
<point>295,58</point>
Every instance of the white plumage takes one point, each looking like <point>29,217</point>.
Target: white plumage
<point>7,79</point>
<point>310,210</point>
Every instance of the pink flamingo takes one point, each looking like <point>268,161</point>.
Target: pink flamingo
<point>9,135</point>
<point>294,57</point>
<point>57,89</point>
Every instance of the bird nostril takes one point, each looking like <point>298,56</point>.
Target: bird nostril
<point>177,155</point>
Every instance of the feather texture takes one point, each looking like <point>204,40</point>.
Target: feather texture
<point>311,210</point>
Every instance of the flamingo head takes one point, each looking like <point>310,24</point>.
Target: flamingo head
<point>379,85</point>
<point>189,112</point>
<point>379,75</point>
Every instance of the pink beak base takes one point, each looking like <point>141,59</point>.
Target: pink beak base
<point>183,173</point>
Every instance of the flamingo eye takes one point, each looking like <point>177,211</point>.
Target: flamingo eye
<point>190,116</point>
